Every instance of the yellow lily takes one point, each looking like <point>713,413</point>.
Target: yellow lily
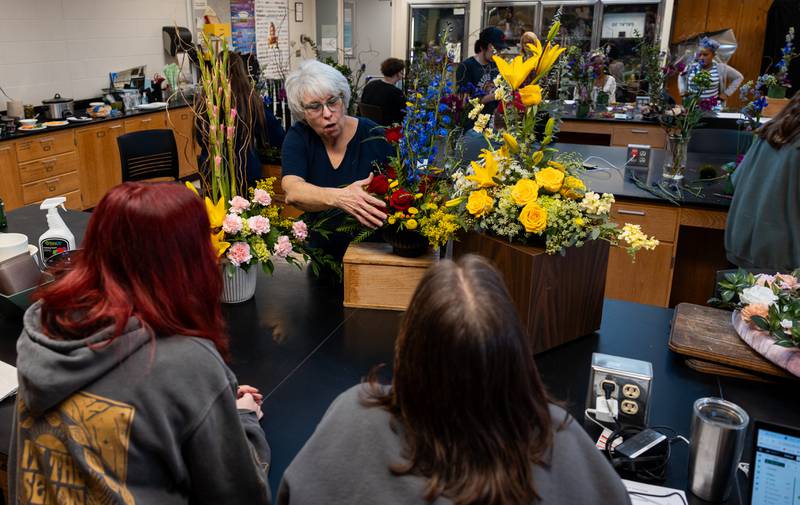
<point>216,213</point>
<point>191,186</point>
<point>515,72</point>
<point>454,202</point>
<point>484,174</point>
<point>546,57</point>
<point>219,245</point>
<point>531,95</point>
<point>511,143</point>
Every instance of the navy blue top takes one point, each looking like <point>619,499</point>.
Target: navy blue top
<point>304,155</point>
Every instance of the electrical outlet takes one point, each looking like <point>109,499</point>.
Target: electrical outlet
<point>629,407</point>
<point>608,384</point>
<point>631,391</point>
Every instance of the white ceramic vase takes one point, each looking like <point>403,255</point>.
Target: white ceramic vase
<point>238,285</point>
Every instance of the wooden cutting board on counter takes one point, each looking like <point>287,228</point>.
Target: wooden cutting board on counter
<point>707,337</point>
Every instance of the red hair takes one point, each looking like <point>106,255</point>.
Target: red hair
<point>146,254</point>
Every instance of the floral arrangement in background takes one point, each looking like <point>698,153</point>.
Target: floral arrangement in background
<point>680,120</point>
<point>777,89</point>
<point>754,96</point>
<point>770,303</point>
<point>581,73</point>
<point>524,189</point>
<point>246,231</point>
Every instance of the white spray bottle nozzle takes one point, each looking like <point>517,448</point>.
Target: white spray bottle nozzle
<point>51,203</point>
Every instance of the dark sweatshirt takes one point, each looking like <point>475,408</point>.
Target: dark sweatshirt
<point>346,461</point>
<point>137,420</point>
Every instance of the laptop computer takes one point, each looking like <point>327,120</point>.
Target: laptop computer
<point>775,465</point>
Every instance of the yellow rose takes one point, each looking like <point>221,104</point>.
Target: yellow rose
<point>479,203</point>
<point>391,219</point>
<point>413,210</point>
<point>411,224</point>
<point>550,179</point>
<point>533,217</point>
<point>531,95</point>
<point>573,188</point>
<point>524,191</point>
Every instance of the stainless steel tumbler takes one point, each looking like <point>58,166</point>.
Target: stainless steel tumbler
<point>718,431</point>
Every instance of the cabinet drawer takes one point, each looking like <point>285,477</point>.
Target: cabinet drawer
<point>148,122</point>
<point>650,135</point>
<point>52,186</point>
<point>661,222</point>
<point>45,145</point>
<point>48,167</point>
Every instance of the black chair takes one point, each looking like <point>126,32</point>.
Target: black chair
<point>372,112</point>
<point>148,154</point>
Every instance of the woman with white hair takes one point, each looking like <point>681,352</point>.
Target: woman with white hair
<point>328,156</point>
<point>725,79</point>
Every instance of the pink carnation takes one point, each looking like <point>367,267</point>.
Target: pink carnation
<point>239,253</point>
<point>262,197</point>
<point>300,230</point>
<point>258,225</point>
<point>232,224</point>
<point>283,247</point>
<point>239,204</point>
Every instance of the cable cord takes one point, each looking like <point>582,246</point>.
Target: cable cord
<point>669,495</point>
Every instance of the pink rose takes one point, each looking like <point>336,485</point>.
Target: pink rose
<point>787,281</point>
<point>258,225</point>
<point>239,204</point>
<point>262,197</point>
<point>755,309</point>
<point>239,253</point>
<point>232,224</point>
<point>283,247</point>
<point>299,230</point>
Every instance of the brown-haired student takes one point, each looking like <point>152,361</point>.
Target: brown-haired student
<point>466,421</point>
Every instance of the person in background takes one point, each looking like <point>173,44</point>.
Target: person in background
<point>725,79</point>
<point>328,157</point>
<point>475,75</point>
<point>385,94</point>
<point>524,40</point>
<point>604,84</point>
<point>124,396</point>
<point>482,431</point>
<point>763,227</point>
<point>257,128</point>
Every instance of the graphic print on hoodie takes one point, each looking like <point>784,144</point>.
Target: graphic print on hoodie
<point>99,431</point>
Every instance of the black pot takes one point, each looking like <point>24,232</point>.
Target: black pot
<point>406,243</point>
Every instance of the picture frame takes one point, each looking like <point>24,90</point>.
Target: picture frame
<point>298,12</point>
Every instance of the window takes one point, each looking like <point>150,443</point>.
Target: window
<point>427,24</point>
<point>513,18</point>
<point>576,23</point>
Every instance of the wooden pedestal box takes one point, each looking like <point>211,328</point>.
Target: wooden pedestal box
<point>559,298</point>
<point>374,278</point>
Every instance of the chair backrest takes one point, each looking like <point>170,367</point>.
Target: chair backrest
<point>148,154</point>
<point>372,112</point>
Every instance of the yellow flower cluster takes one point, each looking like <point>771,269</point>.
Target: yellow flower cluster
<point>550,179</point>
<point>636,239</point>
<point>438,226</point>
<point>573,188</point>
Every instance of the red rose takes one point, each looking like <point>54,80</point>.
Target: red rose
<point>517,102</point>
<point>401,200</point>
<point>393,134</point>
<point>389,171</point>
<point>379,185</point>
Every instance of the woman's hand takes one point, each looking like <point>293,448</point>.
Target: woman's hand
<point>360,204</point>
<point>245,389</point>
<point>248,402</point>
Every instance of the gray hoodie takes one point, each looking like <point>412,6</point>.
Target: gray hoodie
<point>137,420</point>
<point>346,461</point>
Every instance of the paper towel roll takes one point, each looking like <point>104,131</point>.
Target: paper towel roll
<point>14,108</point>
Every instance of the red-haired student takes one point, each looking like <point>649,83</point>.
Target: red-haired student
<point>124,396</point>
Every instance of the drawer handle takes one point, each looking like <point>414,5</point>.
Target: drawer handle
<point>45,140</point>
<point>48,167</point>
<point>101,134</point>
<point>46,147</point>
<point>640,131</point>
<point>115,127</point>
<point>147,120</point>
<point>184,116</point>
<point>51,187</point>
<point>632,212</point>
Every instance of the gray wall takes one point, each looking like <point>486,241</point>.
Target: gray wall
<point>372,34</point>
<point>327,14</point>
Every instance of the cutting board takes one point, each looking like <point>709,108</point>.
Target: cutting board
<point>706,334</point>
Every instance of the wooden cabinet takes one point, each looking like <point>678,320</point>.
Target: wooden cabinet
<point>45,144</point>
<point>48,167</point>
<point>181,121</point>
<point>654,136</point>
<point>58,185</point>
<point>154,121</point>
<point>648,279</point>
<point>100,167</point>
<point>10,190</point>
<point>616,133</point>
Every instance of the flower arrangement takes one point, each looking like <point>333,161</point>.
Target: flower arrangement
<point>582,73</point>
<point>770,303</point>
<point>754,96</point>
<point>524,189</point>
<point>777,89</point>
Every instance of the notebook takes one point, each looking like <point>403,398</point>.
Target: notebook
<point>647,494</point>
<point>775,465</point>
<point>8,380</point>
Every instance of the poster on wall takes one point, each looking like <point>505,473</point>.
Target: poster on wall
<point>623,25</point>
<point>272,37</point>
<point>243,25</point>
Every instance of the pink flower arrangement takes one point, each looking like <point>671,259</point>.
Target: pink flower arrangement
<point>239,253</point>
<point>300,230</point>
<point>283,247</point>
<point>262,197</point>
<point>258,225</point>
<point>232,224</point>
<point>239,204</point>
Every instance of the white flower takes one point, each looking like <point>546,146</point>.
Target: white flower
<point>758,294</point>
<point>787,324</point>
<point>481,122</point>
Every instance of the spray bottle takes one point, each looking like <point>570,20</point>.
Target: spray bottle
<point>57,238</point>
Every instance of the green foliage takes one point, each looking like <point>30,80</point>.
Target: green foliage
<point>731,287</point>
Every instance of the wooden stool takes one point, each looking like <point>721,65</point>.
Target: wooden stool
<point>374,278</point>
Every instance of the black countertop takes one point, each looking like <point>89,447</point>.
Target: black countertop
<point>21,134</point>
<point>608,179</point>
<point>710,120</point>
<point>298,345</point>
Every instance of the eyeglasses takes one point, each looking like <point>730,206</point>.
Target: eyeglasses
<point>315,108</point>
